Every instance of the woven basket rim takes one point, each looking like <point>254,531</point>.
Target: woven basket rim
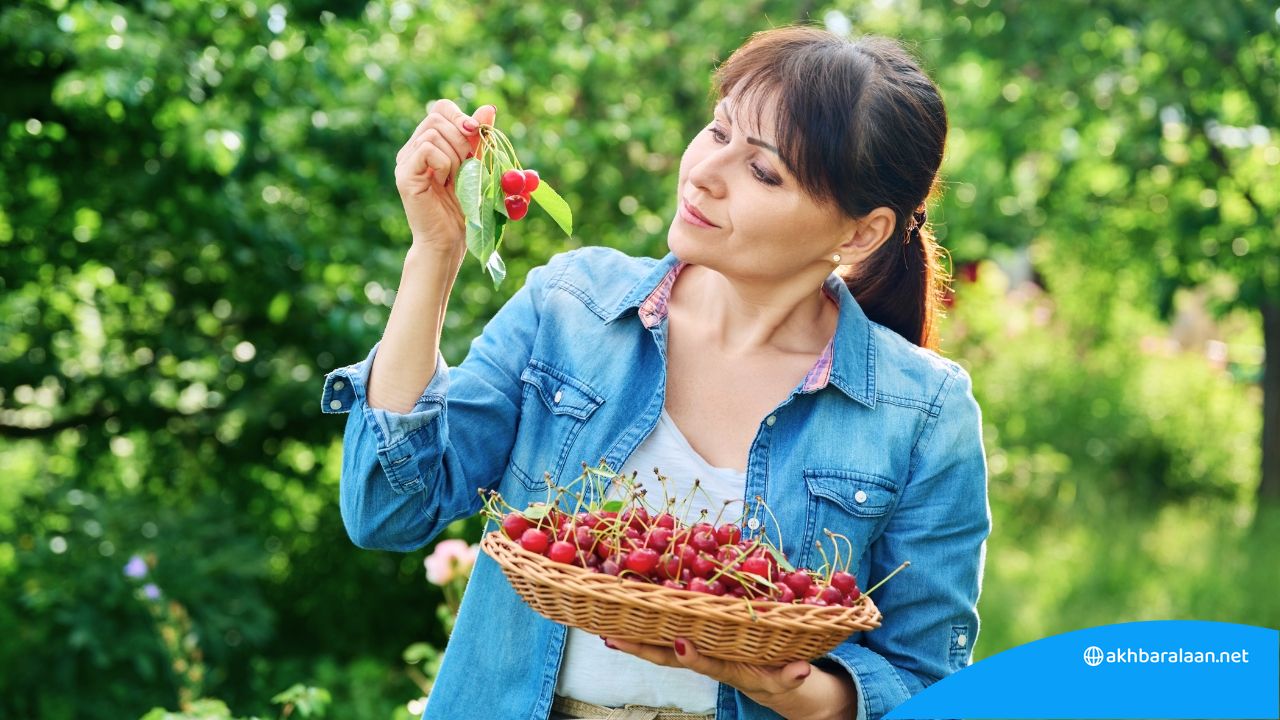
<point>571,579</point>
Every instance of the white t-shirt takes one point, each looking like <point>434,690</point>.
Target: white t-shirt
<point>592,672</point>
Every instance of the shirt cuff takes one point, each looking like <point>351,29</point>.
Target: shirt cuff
<point>880,688</point>
<point>345,391</point>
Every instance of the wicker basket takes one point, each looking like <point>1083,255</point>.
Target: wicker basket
<point>718,626</point>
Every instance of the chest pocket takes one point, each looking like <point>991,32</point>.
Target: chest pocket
<point>554,408</point>
<point>849,503</point>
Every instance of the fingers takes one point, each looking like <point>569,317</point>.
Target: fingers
<point>429,163</point>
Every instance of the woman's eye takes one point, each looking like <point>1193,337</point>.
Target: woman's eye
<point>719,136</point>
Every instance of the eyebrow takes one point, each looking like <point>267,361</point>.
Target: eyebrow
<point>721,106</point>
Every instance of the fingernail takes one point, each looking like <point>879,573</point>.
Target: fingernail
<point>804,673</point>
<point>681,648</point>
<point>609,645</point>
<point>470,125</point>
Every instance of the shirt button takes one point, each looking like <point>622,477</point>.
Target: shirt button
<point>559,396</point>
<point>860,496</point>
<point>335,405</point>
<point>339,385</point>
<point>754,523</point>
<point>961,640</point>
<point>771,420</point>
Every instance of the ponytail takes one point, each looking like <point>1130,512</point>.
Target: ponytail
<point>901,285</point>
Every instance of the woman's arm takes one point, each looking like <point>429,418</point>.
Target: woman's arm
<point>940,524</point>
<point>407,354</point>
<point>405,476</point>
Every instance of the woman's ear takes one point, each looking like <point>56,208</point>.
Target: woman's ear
<point>867,235</point>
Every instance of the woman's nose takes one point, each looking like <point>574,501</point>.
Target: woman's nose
<point>707,173</point>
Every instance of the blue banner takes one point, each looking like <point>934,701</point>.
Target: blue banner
<point>1154,669</point>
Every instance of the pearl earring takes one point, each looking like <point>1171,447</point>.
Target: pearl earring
<point>836,258</point>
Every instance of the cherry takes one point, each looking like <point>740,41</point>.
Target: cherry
<point>535,541</point>
<point>517,206</point>
<point>562,552</point>
<point>665,520</point>
<point>642,560</point>
<point>514,525</point>
<point>831,595</point>
<point>845,581</point>
<point>758,566</point>
<point>659,539</point>
<point>786,594</point>
<point>531,180</point>
<point>704,541</point>
<point>702,565</point>
<point>728,534</point>
<point>799,582</point>
<point>514,183</point>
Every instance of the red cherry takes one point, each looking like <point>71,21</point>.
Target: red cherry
<point>666,520</point>
<point>702,565</point>
<point>514,525</point>
<point>517,206</point>
<point>831,595</point>
<point>704,541</point>
<point>844,581</point>
<point>642,561</point>
<point>786,594</point>
<point>513,182</point>
<point>535,541</point>
<point>531,180</point>
<point>610,567</point>
<point>798,581</point>
<point>757,566</point>
<point>728,534</point>
<point>659,539</point>
<point>562,552</point>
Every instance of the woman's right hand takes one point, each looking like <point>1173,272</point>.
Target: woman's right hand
<point>427,168</point>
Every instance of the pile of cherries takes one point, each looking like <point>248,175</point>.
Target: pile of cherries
<point>517,186</point>
<point>660,549</point>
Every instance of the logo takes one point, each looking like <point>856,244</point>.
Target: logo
<point>1093,656</point>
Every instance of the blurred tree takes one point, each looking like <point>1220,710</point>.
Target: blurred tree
<point>1139,141</point>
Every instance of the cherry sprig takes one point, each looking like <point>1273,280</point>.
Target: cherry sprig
<point>494,188</point>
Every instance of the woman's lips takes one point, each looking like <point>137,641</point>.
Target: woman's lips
<point>693,217</point>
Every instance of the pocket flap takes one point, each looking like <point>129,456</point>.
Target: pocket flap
<point>858,493</point>
<point>562,394</point>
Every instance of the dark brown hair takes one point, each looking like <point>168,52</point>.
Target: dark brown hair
<point>859,125</point>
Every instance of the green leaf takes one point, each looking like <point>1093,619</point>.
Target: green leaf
<point>497,269</point>
<point>468,189</point>
<point>782,559</point>
<point>555,206</point>
<point>536,512</point>
<point>612,506</point>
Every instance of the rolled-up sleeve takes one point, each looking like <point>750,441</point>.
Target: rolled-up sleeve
<point>941,524</point>
<point>405,476</point>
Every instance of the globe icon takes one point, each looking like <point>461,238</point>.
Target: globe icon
<point>1093,656</point>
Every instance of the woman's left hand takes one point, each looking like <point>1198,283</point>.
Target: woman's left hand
<point>766,684</point>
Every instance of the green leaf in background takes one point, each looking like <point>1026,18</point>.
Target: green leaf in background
<point>555,206</point>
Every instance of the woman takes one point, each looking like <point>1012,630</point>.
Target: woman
<point>782,350</point>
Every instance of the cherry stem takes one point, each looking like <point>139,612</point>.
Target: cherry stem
<point>901,567</point>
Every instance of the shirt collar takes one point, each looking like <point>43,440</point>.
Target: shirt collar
<point>847,362</point>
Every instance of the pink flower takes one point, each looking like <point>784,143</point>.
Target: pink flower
<point>451,559</point>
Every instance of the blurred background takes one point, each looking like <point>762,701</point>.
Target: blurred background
<point>198,219</point>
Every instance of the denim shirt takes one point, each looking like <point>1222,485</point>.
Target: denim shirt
<point>882,442</point>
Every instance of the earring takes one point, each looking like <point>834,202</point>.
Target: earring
<point>836,258</point>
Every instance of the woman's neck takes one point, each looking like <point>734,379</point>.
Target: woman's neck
<point>740,317</point>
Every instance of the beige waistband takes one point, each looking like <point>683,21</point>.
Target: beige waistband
<point>590,711</point>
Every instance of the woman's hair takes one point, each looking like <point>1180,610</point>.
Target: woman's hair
<point>860,125</point>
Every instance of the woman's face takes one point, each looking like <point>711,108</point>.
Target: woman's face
<point>766,227</point>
